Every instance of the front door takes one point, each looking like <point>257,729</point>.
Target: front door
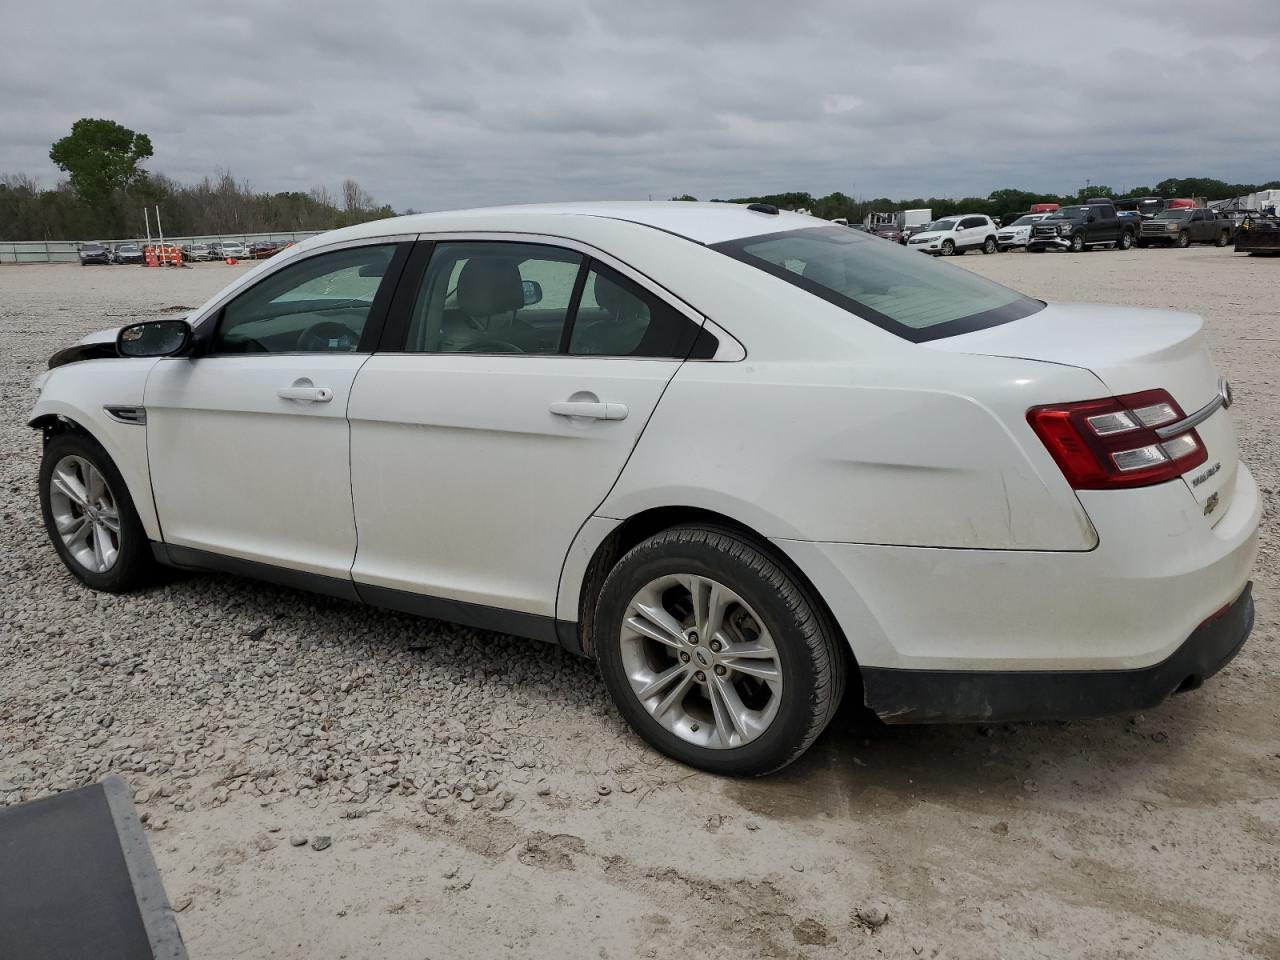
<point>522,382</point>
<point>248,441</point>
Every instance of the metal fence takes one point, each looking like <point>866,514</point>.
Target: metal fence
<point>66,251</point>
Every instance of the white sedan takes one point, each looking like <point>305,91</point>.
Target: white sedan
<point>743,458</point>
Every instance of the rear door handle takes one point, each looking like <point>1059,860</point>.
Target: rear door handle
<point>591,409</point>
<point>313,394</point>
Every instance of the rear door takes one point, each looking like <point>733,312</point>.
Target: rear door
<point>517,378</point>
<point>248,441</point>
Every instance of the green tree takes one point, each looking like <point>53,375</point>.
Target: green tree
<point>101,157</point>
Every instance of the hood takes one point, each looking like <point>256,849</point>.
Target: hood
<point>100,336</point>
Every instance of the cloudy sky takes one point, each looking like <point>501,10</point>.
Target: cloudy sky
<point>434,105</point>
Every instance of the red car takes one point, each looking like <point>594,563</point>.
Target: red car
<point>890,231</point>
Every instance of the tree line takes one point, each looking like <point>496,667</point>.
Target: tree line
<point>998,203</point>
<point>216,205</point>
<point>107,189</point>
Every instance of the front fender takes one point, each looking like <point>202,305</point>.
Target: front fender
<point>77,394</point>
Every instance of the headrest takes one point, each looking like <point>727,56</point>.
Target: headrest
<point>489,286</point>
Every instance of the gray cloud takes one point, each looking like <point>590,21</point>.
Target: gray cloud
<point>438,105</point>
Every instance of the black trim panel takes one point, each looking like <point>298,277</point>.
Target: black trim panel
<point>530,625</point>
<point>962,696</point>
<point>189,558</point>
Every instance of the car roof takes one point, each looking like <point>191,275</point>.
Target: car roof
<point>701,222</point>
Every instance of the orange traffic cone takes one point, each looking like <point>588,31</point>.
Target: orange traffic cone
<point>232,261</point>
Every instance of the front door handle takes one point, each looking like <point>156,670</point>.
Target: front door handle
<point>591,409</point>
<point>313,394</point>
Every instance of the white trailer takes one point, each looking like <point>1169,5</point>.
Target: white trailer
<point>915,218</point>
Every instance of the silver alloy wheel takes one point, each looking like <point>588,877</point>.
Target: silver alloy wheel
<point>85,514</point>
<point>701,661</point>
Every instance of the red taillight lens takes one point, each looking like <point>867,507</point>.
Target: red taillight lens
<point>1112,443</point>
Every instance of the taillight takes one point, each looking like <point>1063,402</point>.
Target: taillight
<point>1112,443</point>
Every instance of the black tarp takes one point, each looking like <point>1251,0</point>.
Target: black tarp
<point>77,880</point>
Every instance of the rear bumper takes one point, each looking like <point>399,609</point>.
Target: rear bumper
<point>950,696</point>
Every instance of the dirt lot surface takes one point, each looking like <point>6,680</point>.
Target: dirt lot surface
<point>481,799</point>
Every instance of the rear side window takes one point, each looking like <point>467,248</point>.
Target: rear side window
<point>910,295</point>
<point>618,318</point>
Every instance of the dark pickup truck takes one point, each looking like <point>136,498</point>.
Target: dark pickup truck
<point>1081,226</point>
<point>1181,228</point>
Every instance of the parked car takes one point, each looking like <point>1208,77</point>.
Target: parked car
<point>93,253</point>
<point>197,252</point>
<point>1081,226</point>
<point>129,252</point>
<point>956,235</point>
<point>1181,227</point>
<point>870,471</point>
<point>888,231</point>
<point>229,249</point>
<point>262,249</point>
<point>1018,232</point>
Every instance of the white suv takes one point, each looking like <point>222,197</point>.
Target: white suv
<point>1017,233</point>
<point>958,234</point>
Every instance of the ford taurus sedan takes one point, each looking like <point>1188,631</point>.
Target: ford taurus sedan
<point>744,459</point>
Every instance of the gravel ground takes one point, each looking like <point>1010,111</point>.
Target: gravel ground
<point>322,780</point>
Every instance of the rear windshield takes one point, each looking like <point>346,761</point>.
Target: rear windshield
<point>901,290</point>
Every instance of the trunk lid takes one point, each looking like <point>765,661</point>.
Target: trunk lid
<point>1128,349</point>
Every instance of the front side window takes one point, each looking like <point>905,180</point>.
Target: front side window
<point>911,296</point>
<point>319,305</point>
<point>490,297</point>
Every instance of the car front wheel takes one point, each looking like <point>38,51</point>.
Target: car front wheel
<point>714,654</point>
<point>1077,243</point>
<point>948,248</point>
<point>1184,240</point>
<point>90,516</point>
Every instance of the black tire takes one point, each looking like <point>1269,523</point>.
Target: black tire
<point>811,655</point>
<point>1184,240</point>
<point>1223,239</point>
<point>948,248</point>
<point>1077,242</point>
<point>134,566</point>
<point>1125,241</point>
<point>990,245</point>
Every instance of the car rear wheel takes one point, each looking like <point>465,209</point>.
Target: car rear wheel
<point>1222,240</point>
<point>990,245</point>
<point>1184,240</point>
<point>1125,241</point>
<point>1077,243</point>
<point>948,248</point>
<point>714,654</point>
<point>90,516</point>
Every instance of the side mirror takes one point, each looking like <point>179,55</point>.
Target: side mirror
<point>1091,218</point>
<point>532,292</point>
<point>154,338</point>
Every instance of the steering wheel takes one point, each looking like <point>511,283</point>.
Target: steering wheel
<point>328,335</point>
